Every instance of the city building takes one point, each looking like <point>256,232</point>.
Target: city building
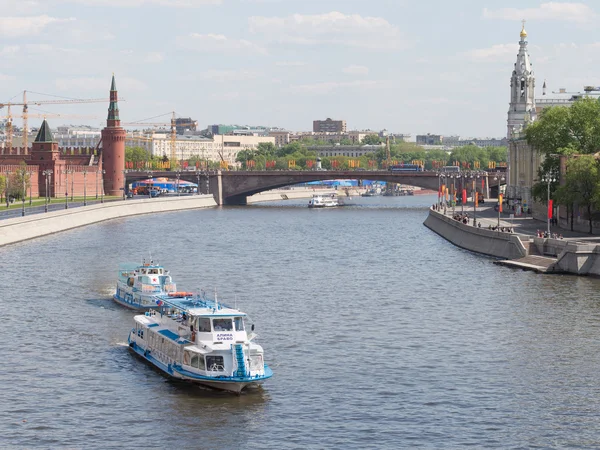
<point>77,137</point>
<point>429,139</point>
<point>352,151</point>
<point>183,124</point>
<point>57,171</point>
<point>239,129</point>
<point>523,160</point>
<point>329,126</point>
<point>215,149</point>
<point>564,98</point>
<point>281,137</point>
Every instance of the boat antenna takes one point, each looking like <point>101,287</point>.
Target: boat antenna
<point>216,300</point>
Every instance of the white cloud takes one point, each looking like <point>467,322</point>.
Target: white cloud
<point>334,27</point>
<point>218,43</point>
<point>98,84</point>
<point>330,86</point>
<point>569,12</point>
<point>154,57</point>
<point>138,3</point>
<point>496,53</point>
<point>356,70</point>
<point>229,75</point>
<point>26,26</point>
<point>290,64</point>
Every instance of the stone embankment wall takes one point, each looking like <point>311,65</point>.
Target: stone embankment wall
<point>579,259</point>
<point>479,240</point>
<point>289,194</point>
<point>36,225</point>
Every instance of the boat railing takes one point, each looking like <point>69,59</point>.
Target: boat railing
<point>148,288</point>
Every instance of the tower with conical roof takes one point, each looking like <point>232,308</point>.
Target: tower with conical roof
<point>113,147</point>
<point>522,86</point>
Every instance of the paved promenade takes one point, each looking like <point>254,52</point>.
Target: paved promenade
<point>525,224</point>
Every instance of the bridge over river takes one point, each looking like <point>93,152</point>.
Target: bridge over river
<point>232,187</point>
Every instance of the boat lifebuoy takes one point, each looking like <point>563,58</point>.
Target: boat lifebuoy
<point>186,358</point>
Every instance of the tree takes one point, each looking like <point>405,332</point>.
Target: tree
<point>583,179</point>
<point>576,128</point>
<point>137,154</point>
<point>371,139</point>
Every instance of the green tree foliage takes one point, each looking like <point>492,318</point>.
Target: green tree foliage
<point>558,128</point>
<point>371,139</point>
<point>583,180</point>
<point>137,154</point>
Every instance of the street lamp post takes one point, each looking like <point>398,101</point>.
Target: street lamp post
<point>66,173</point>
<point>84,187</point>
<point>124,182</point>
<point>453,194</point>
<point>499,179</point>
<point>549,178</point>
<point>47,174</point>
<point>102,185</point>
<point>198,182</point>
<point>72,183</point>
<point>24,193</point>
<point>6,188</point>
<point>463,175</point>
<point>97,170</point>
<point>30,187</point>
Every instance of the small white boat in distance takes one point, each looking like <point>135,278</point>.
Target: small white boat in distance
<point>201,341</point>
<point>140,285</point>
<point>324,201</point>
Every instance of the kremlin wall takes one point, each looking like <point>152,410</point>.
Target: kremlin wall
<point>72,171</point>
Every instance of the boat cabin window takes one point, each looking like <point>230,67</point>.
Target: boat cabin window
<point>204,325</point>
<point>198,362</point>
<point>222,324</point>
<point>153,271</point>
<point>214,362</point>
<point>239,324</point>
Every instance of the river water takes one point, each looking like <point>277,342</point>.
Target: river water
<point>380,333</point>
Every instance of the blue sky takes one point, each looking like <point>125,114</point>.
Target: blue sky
<point>407,66</point>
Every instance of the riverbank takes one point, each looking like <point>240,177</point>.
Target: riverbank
<point>19,229</point>
<point>562,251</point>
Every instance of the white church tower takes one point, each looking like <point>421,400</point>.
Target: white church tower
<point>522,86</point>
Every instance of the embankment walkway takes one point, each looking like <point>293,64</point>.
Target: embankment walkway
<point>573,252</point>
<point>19,229</point>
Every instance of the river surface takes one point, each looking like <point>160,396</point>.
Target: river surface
<point>380,333</point>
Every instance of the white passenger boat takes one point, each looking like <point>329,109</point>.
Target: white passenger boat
<point>202,341</point>
<point>324,201</point>
<point>139,286</point>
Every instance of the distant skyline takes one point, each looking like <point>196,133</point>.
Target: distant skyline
<point>409,67</point>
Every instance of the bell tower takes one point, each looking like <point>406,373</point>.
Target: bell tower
<point>522,86</point>
<point>113,147</point>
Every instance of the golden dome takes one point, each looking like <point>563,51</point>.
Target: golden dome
<point>523,32</point>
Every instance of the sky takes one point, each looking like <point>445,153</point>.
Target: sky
<point>414,67</point>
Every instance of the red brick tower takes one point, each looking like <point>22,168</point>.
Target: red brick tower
<point>113,147</point>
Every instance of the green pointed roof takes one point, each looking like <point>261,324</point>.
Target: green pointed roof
<point>113,85</point>
<point>113,107</point>
<point>44,135</point>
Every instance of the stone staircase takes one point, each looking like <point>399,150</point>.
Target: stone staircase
<point>536,263</point>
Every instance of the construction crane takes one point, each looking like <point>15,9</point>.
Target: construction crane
<point>173,124</point>
<point>25,115</point>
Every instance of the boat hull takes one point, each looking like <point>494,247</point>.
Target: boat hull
<point>229,384</point>
<point>133,305</point>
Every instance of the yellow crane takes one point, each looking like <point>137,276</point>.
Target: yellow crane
<point>25,115</point>
<point>173,124</point>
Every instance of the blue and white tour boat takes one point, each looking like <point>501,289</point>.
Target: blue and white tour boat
<point>196,339</point>
<point>139,286</point>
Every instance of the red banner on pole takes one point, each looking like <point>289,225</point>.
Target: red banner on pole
<point>464,196</point>
<point>550,209</point>
<point>500,199</point>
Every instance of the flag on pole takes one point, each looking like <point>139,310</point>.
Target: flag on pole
<point>500,202</point>
<point>550,214</point>
<point>464,196</point>
<point>476,198</point>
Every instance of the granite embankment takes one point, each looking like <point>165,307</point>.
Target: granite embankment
<point>574,253</point>
<point>36,225</point>
<point>480,240</point>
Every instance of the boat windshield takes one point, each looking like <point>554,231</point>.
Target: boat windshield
<point>239,324</point>
<point>222,324</point>
<point>204,325</point>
